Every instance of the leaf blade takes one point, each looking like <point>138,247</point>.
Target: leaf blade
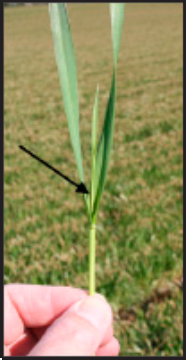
<point>105,145</point>
<point>106,139</point>
<point>117,16</point>
<point>94,146</point>
<point>65,59</point>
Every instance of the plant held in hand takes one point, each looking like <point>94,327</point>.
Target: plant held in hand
<point>64,52</point>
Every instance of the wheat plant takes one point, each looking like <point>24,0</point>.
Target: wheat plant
<point>100,154</point>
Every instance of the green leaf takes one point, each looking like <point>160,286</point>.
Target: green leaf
<point>105,145</point>
<point>94,146</point>
<point>106,139</point>
<point>117,16</point>
<point>64,52</point>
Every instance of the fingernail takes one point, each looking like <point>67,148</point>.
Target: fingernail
<point>96,310</point>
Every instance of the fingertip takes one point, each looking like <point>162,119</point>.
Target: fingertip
<point>95,309</point>
<point>110,349</point>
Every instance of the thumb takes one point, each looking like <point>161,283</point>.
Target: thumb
<point>79,331</point>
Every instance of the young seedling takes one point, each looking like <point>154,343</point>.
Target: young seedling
<point>64,53</point>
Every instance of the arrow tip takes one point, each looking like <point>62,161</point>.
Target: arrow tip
<point>81,188</point>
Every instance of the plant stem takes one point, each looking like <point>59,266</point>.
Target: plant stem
<point>92,259</point>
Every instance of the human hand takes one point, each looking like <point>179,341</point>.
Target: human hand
<point>56,321</point>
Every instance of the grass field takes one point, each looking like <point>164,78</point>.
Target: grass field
<point>139,240</point>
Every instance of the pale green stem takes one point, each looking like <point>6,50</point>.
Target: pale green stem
<point>92,245</point>
<point>92,260</point>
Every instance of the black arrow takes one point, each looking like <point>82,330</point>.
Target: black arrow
<point>81,188</point>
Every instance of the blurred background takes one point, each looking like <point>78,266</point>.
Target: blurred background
<point>139,237</point>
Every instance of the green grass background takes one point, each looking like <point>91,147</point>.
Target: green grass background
<point>139,237</point>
